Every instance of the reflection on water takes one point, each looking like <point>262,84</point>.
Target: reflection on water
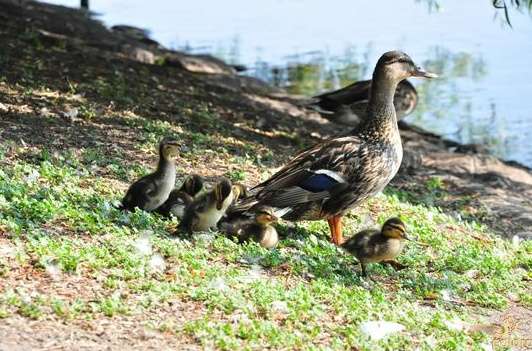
<point>305,73</point>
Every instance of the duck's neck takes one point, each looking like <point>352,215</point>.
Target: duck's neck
<point>381,118</point>
<point>165,167</point>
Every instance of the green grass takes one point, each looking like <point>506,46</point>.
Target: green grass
<point>56,213</point>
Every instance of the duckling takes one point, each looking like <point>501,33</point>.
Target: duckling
<point>208,208</point>
<point>258,229</point>
<point>152,190</point>
<point>242,191</point>
<point>371,245</point>
<point>182,197</point>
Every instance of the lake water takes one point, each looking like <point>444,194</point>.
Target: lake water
<point>308,46</point>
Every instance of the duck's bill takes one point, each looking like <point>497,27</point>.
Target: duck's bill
<point>422,73</point>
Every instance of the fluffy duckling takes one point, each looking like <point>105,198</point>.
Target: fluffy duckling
<point>152,190</point>
<point>208,208</point>
<point>258,229</point>
<point>182,197</point>
<point>372,245</point>
<point>242,190</point>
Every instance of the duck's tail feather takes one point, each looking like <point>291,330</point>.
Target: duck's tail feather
<point>280,212</point>
<point>316,105</point>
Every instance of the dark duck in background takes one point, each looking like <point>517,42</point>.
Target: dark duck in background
<point>327,180</point>
<point>348,105</point>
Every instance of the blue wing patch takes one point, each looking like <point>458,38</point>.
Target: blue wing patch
<point>318,182</point>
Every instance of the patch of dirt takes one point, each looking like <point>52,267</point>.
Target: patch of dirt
<point>509,329</point>
<point>119,333</point>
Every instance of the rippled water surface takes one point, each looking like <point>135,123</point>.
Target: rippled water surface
<point>309,46</point>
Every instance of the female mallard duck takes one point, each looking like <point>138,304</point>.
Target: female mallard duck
<point>327,180</point>
<point>208,208</point>
<point>384,245</point>
<point>152,190</point>
<point>258,229</point>
<point>349,105</point>
<point>182,197</point>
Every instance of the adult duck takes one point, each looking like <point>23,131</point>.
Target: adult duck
<point>327,180</point>
<point>349,104</point>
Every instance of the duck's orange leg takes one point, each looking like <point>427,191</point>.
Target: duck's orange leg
<point>335,225</point>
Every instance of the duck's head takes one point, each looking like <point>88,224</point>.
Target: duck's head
<point>266,216</point>
<point>169,148</point>
<point>222,191</point>
<point>397,65</point>
<point>193,184</point>
<point>239,190</point>
<point>394,228</point>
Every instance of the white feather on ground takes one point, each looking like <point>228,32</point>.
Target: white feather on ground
<point>455,324</point>
<point>157,264</point>
<point>218,284</point>
<point>516,240</point>
<point>53,269</point>
<point>255,272</point>
<point>143,244</point>
<point>377,330</point>
<point>280,307</point>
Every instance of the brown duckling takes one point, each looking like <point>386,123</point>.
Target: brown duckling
<point>372,245</point>
<point>152,190</point>
<point>182,197</point>
<point>209,207</point>
<point>242,190</point>
<point>258,229</point>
